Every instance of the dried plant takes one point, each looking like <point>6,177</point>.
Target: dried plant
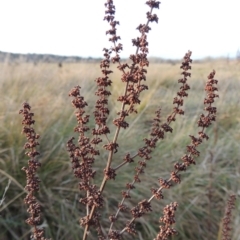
<point>85,153</point>
<point>83,156</point>
<point>34,208</point>
<point>168,219</point>
<point>226,230</point>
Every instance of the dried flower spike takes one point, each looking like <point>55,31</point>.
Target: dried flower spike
<point>168,219</point>
<point>83,156</point>
<point>226,230</point>
<point>34,208</point>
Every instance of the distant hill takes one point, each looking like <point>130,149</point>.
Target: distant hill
<point>32,57</point>
<point>51,58</point>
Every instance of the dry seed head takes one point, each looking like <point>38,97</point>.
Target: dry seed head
<point>226,230</point>
<point>32,186</point>
<point>167,220</point>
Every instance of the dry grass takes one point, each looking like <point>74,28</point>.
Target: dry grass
<point>47,86</point>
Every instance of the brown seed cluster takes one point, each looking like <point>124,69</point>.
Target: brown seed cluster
<point>204,122</point>
<point>135,74</point>
<point>34,208</point>
<point>144,153</point>
<point>226,230</point>
<point>178,100</point>
<point>114,235</point>
<point>101,108</point>
<point>83,156</point>
<point>167,221</point>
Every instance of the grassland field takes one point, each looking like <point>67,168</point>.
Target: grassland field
<point>205,187</point>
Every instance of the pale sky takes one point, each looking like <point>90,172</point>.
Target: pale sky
<point>76,27</point>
